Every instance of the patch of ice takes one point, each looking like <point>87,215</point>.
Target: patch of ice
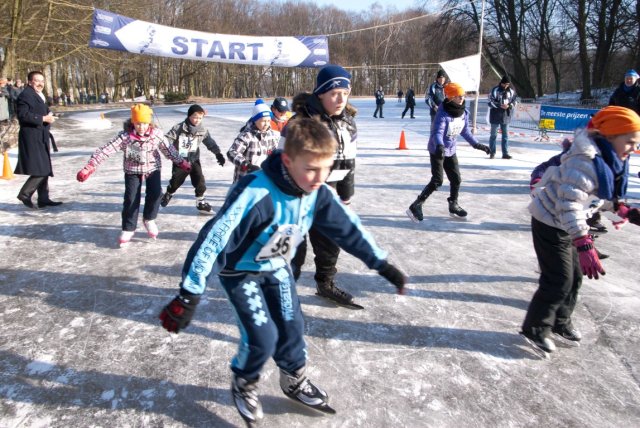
<point>77,322</point>
<point>108,395</point>
<point>43,365</point>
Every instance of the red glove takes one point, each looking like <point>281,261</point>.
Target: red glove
<point>178,313</point>
<point>588,256</point>
<point>184,165</point>
<point>85,173</point>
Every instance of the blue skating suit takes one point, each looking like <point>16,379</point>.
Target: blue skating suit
<point>262,291</point>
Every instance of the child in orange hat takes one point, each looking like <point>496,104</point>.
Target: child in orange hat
<point>596,165</point>
<point>452,119</point>
<point>141,144</point>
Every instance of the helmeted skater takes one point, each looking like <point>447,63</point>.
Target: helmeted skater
<point>452,119</point>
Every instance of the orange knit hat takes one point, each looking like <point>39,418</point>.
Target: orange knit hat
<point>141,113</point>
<point>615,120</point>
<point>453,90</point>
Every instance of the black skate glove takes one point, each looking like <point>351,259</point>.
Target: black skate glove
<point>394,276</point>
<point>178,313</point>
<point>439,154</point>
<point>220,159</point>
<point>482,147</point>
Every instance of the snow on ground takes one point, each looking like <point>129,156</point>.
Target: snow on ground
<point>81,344</point>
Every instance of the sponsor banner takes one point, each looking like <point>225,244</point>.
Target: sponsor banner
<point>464,71</point>
<point>112,31</point>
<point>564,118</point>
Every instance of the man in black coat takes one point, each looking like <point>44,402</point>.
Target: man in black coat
<point>34,145</point>
<point>410,100</point>
<point>628,93</point>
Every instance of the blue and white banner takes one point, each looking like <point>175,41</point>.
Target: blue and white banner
<point>564,118</point>
<point>112,31</point>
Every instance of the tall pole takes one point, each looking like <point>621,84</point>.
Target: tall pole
<point>475,106</point>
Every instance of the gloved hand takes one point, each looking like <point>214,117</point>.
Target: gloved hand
<point>626,213</point>
<point>85,173</point>
<point>588,256</point>
<point>533,182</point>
<point>439,154</point>
<point>249,167</point>
<point>178,313</point>
<point>394,276</point>
<point>482,147</point>
<point>184,165</point>
<point>220,158</point>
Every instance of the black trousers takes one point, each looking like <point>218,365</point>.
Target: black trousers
<point>560,279</point>
<point>449,165</point>
<point>133,194</point>
<point>378,109</point>
<point>36,184</point>
<point>178,176</point>
<point>406,109</point>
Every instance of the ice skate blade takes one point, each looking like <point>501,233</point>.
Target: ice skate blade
<point>535,349</point>
<point>354,306</point>
<point>206,212</point>
<point>566,342</point>
<point>411,216</point>
<point>457,217</point>
<point>324,407</point>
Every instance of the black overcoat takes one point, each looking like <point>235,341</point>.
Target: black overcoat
<point>34,146</point>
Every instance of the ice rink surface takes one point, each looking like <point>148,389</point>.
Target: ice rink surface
<point>81,345</point>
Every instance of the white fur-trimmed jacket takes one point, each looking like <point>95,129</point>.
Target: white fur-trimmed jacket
<point>565,195</point>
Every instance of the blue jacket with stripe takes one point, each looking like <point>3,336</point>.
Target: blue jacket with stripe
<point>254,209</point>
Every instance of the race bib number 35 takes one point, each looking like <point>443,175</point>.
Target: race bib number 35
<point>282,243</point>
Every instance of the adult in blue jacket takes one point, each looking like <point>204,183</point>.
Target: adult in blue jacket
<point>502,101</point>
<point>452,119</point>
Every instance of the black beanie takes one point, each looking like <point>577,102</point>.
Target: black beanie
<point>505,79</point>
<point>195,109</point>
<point>440,74</point>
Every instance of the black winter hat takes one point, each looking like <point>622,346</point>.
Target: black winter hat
<point>505,79</point>
<point>440,74</point>
<point>195,109</point>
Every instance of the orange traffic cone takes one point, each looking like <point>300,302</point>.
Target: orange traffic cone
<point>7,174</point>
<point>403,143</point>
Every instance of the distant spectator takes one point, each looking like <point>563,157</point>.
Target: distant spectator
<point>379,94</point>
<point>628,93</point>
<point>502,100</point>
<point>400,95</point>
<point>410,103</point>
<point>435,94</point>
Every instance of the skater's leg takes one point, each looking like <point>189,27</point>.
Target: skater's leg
<point>153,194</point>
<point>452,169</point>
<point>555,253</point>
<point>177,179</point>
<point>131,202</point>
<point>258,333</point>
<point>298,259</point>
<point>505,139</point>
<point>197,179</point>
<point>415,209</point>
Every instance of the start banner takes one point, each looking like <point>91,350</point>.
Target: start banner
<point>112,31</point>
<point>555,118</point>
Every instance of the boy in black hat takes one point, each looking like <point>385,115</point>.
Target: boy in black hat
<point>186,136</point>
<point>502,100</point>
<point>280,114</point>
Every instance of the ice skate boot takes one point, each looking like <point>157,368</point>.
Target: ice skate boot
<point>152,228</point>
<point>125,238</point>
<point>245,397</point>
<point>298,387</point>
<point>415,211</point>
<point>165,199</point>
<point>541,344</point>
<point>455,210</point>
<point>568,333</point>
<point>330,291</point>
<point>204,207</point>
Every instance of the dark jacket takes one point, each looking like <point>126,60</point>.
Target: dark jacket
<point>34,146</point>
<point>410,98</point>
<point>497,97</point>
<point>379,97</point>
<point>626,97</point>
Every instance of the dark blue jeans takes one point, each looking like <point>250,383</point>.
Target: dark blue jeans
<point>133,194</point>
<point>268,313</point>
